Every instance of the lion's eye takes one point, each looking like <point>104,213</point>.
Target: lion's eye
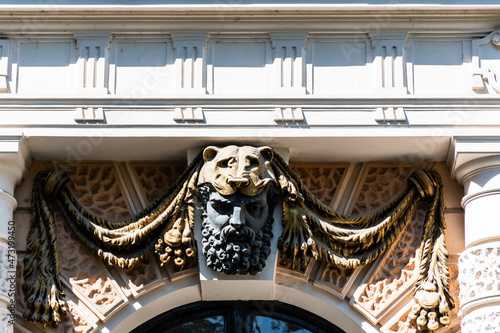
<point>226,163</point>
<point>253,162</point>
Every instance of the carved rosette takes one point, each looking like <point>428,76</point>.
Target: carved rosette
<point>480,272</point>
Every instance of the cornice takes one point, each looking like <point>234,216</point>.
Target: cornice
<point>455,102</point>
<point>247,12</point>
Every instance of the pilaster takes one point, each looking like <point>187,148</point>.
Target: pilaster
<point>13,160</point>
<point>4,59</point>
<point>476,164</point>
<point>92,54</point>
<point>189,58</point>
<point>389,63</point>
<point>289,62</point>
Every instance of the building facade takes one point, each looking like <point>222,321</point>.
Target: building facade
<point>354,96</point>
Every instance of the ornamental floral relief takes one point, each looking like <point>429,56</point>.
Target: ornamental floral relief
<point>4,269</point>
<point>480,272</point>
<point>85,273</point>
<point>484,323</point>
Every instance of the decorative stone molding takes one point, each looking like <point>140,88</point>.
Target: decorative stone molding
<point>190,50</point>
<point>336,280</point>
<point>89,114</point>
<point>188,114</point>
<point>14,157</point>
<point>79,318</point>
<point>389,63</point>
<point>143,278</point>
<point>479,273</point>
<point>140,64</point>
<point>239,63</point>
<point>468,155</point>
<point>91,61</point>
<point>390,115</point>
<point>288,115</point>
<point>4,61</point>
<point>484,322</point>
<point>5,327</point>
<point>86,276</point>
<point>476,164</point>
<point>289,62</point>
<point>485,53</point>
<point>400,323</point>
<point>302,272</point>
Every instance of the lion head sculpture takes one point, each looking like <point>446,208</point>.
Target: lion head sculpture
<point>230,169</point>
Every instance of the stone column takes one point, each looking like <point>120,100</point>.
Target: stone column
<point>13,154</point>
<point>476,164</point>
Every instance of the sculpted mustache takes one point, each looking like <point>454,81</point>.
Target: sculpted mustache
<point>244,231</point>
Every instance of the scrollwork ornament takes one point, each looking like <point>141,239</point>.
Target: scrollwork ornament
<point>237,189</point>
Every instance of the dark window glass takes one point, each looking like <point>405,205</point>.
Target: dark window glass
<point>266,324</point>
<point>204,325</point>
<point>237,317</point>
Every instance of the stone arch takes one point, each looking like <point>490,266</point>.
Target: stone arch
<point>344,298</point>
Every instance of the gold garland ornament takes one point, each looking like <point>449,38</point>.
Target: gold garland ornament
<point>310,229</point>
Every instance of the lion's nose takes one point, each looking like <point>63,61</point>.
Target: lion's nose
<point>238,181</point>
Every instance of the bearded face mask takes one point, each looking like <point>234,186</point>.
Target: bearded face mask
<point>236,230</point>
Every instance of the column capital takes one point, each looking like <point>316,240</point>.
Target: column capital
<point>14,157</point>
<point>469,156</point>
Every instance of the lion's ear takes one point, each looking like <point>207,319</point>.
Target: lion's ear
<point>267,154</point>
<point>209,153</point>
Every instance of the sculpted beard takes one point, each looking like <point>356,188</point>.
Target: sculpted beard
<point>236,251</point>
